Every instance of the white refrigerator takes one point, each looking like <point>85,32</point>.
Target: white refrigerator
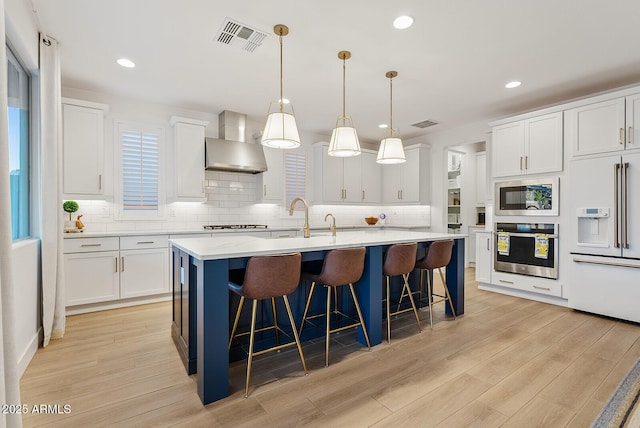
<point>604,235</point>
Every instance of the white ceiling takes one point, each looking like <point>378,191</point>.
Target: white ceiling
<point>452,64</point>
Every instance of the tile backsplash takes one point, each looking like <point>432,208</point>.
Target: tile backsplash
<point>231,200</point>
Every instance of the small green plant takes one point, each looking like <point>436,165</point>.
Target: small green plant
<point>70,207</point>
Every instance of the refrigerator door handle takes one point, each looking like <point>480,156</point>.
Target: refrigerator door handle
<point>625,236</point>
<point>616,185</point>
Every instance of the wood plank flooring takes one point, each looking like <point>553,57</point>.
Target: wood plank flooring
<point>507,362</point>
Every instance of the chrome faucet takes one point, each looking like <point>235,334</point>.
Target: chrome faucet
<point>333,225</point>
<point>305,228</point>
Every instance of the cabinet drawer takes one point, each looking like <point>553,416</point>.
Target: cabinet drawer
<point>143,241</point>
<point>532,284</point>
<point>86,245</point>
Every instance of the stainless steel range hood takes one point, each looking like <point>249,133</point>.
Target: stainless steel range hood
<point>231,152</point>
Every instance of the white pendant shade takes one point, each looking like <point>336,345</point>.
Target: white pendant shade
<point>281,131</point>
<point>344,139</point>
<point>391,151</point>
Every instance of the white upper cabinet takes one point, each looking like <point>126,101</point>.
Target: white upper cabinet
<point>270,184</point>
<point>409,182</point>
<point>481,178</point>
<point>83,148</point>
<point>352,180</point>
<point>633,121</point>
<point>189,158</point>
<point>529,146</point>
<point>597,128</point>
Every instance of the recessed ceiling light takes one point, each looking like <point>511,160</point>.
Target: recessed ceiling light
<point>285,101</point>
<point>383,126</point>
<point>513,84</point>
<point>403,22</point>
<point>127,63</point>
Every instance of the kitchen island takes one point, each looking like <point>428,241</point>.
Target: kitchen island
<point>204,263</point>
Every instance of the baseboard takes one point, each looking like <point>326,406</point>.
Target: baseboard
<point>28,353</point>
<point>114,304</point>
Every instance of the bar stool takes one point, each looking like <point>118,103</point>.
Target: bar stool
<point>340,267</point>
<point>400,260</point>
<point>438,256</point>
<point>267,277</point>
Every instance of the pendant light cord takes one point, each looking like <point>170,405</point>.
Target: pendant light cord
<point>390,106</point>
<point>281,98</point>
<point>344,73</point>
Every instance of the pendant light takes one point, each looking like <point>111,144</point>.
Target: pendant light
<point>391,150</point>
<point>344,139</point>
<point>280,130</point>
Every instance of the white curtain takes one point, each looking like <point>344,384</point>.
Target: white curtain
<point>10,387</point>
<point>53,289</point>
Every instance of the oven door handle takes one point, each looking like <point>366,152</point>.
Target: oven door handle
<point>528,235</point>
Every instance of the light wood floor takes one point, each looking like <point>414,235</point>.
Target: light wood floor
<point>506,362</point>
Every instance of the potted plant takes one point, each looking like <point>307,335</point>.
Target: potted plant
<point>70,207</point>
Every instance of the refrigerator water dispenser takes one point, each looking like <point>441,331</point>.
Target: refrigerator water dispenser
<point>593,226</point>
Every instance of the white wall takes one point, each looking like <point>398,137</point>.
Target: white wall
<point>230,196</point>
<point>22,35</point>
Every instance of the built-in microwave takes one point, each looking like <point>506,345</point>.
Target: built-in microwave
<point>527,197</point>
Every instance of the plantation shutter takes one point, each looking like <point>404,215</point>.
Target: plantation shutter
<point>140,170</point>
<point>295,174</point>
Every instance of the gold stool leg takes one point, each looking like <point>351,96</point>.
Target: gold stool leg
<point>326,355</point>
<point>275,320</point>
<point>389,312</point>
<point>254,310</point>
<point>295,333</point>
<point>235,322</point>
<point>446,291</point>
<point>364,329</point>
<point>430,299</point>
<point>306,308</point>
<point>413,303</point>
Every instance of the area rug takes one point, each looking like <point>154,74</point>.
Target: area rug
<point>623,408</point>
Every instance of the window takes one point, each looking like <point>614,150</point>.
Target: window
<point>295,173</point>
<point>18,115</point>
<point>140,187</point>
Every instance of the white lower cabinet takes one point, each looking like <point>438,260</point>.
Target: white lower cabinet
<point>91,277</point>
<point>109,269</point>
<point>531,284</point>
<point>484,256</point>
<point>144,272</point>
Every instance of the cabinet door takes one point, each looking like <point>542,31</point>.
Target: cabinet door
<point>83,150</point>
<point>481,178</point>
<point>189,161</point>
<point>371,178</point>
<point>543,144</point>
<point>410,189</point>
<point>633,122</point>
<point>508,149</point>
<point>352,178</point>
<point>91,277</point>
<point>471,247</point>
<point>391,182</point>
<point>332,178</point>
<point>144,272</point>
<point>272,179</point>
<point>596,128</point>
<point>484,256</point>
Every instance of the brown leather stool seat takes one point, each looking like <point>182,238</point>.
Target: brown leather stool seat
<point>267,277</point>
<point>438,256</point>
<point>400,259</point>
<point>340,267</point>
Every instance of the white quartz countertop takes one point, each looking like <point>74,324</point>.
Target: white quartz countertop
<point>231,231</point>
<point>224,247</point>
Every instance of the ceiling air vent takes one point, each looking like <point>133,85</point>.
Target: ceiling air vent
<point>236,34</point>
<point>425,124</point>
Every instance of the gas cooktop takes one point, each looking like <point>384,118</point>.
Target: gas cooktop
<point>235,226</point>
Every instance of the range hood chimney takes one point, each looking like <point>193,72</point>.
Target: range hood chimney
<point>231,152</point>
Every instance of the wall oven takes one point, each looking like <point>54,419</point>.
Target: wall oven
<point>527,197</point>
<point>527,249</point>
